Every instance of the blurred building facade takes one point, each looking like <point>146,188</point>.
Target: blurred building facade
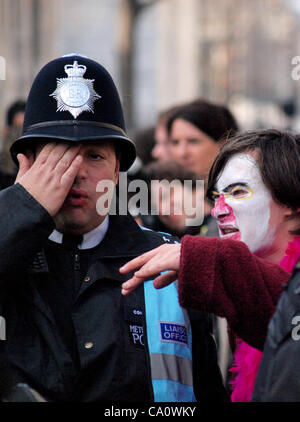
<point>234,51</point>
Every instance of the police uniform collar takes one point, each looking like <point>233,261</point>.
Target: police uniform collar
<point>90,239</point>
<point>125,238</point>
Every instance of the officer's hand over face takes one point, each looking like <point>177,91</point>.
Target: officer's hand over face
<point>163,258</point>
<point>50,176</point>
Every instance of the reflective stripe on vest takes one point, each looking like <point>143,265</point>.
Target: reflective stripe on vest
<point>170,344</point>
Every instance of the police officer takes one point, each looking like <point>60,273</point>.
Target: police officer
<point>70,334</point>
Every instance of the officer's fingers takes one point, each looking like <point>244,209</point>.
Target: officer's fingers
<point>58,153</point>
<point>43,152</point>
<point>24,166</point>
<point>69,175</point>
<point>165,279</point>
<point>66,159</point>
<point>139,261</point>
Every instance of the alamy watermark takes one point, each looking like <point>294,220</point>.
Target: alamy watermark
<point>160,197</point>
<point>296,329</point>
<point>2,69</point>
<point>2,328</point>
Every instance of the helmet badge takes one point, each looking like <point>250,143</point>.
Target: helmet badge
<point>74,93</point>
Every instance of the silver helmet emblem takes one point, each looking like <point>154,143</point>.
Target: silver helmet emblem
<point>74,93</point>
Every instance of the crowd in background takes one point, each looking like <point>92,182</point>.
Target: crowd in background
<point>13,128</point>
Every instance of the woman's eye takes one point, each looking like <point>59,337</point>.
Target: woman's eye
<point>194,141</point>
<point>240,193</point>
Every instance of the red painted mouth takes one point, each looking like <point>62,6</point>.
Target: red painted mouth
<point>229,231</point>
<point>225,231</point>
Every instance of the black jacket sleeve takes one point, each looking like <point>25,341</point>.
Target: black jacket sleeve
<point>278,375</point>
<point>24,227</point>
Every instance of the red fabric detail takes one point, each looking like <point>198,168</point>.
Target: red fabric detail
<point>224,278</point>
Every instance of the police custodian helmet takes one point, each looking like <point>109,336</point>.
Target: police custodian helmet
<point>74,98</point>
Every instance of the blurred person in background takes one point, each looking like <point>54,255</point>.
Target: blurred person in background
<point>12,131</point>
<point>197,131</point>
<point>160,150</point>
<point>144,140</point>
<point>169,202</point>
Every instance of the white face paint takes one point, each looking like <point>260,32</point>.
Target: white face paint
<point>243,206</point>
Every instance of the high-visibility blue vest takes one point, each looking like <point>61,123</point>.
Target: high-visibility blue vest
<point>170,344</point>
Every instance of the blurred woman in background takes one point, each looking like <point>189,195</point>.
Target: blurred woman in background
<point>197,131</point>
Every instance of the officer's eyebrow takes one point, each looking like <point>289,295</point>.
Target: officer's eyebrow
<point>232,185</point>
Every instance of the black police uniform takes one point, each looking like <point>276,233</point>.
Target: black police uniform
<point>96,359</point>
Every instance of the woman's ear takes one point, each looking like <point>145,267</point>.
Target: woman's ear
<point>291,214</point>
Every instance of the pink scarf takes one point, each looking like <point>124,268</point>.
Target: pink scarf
<point>247,358</point>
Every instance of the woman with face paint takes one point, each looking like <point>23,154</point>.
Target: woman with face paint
<point>256,194</point>
<point>255,185</point>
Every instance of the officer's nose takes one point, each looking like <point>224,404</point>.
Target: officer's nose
<point>221,208</point>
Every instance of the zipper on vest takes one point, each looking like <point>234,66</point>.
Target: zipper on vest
<point>77,262</point>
